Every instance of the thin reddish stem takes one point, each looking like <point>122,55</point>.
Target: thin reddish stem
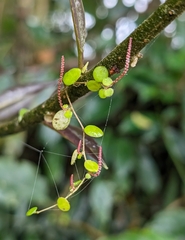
<point>60,81</point>
<point>127,62</point>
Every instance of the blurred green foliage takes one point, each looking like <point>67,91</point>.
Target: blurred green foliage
<point>141,196</point>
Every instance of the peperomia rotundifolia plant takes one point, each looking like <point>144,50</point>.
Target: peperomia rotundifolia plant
<point>113,62</point>
<point>102,83</point>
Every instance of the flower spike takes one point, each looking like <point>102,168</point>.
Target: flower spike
<point>99,163</point>
<point>127,62</point>
<point>60,81</point>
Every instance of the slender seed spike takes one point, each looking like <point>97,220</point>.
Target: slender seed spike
<point>99,163</point>
<point>60,81</point>
<point>127,62</point>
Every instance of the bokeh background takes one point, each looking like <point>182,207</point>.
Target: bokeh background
<point>141,196</point>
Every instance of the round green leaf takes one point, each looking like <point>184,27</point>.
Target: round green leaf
<point>22,111</point>
<point>68,113</point>
<point>93,131</point>
<point>31,211</point>
<point>74,157</point>
<point>63,204</point>
<point>91,166</point>
<point>65,106</point>
<point>101,93</point>
<point>79,156</point>
<point>93,86</point>
<point>107,82</point>
<point>88,176</point>
<point>100,73</point>
<point>109,92</point>
<point>71,76</point>
<point>60,121</point>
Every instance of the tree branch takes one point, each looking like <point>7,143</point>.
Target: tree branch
<point>143,35</point>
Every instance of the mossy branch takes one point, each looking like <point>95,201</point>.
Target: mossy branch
<point>143,35</point>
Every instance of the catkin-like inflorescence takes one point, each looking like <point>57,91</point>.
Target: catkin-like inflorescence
<point>60,81</point>
<point>127,62</point>
<point>99,163</point>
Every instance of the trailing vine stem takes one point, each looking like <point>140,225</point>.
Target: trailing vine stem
<point>81,125</point>
<point>45,209</point>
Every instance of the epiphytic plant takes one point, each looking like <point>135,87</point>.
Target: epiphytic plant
<point>61,120</point>
<point>101,82</point>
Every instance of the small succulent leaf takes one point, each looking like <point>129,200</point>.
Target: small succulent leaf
<point>63,204</point>
<point>65,106</point>
<point>68,113</point>
<point>22,111</point>
<point>93,85</point>
<point>74,135</point>
<point>100,73</point>
<point>91,166</point>
<point>107,82</point>
<point>101,93</point>
<point>109,92</point>
<point>93,131</point>
<point>74,157</point>
<point>88,176</point>
<point>71,76</point>
<point>31,211</point>
<point>60,122</point>
<point>79,156</point>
